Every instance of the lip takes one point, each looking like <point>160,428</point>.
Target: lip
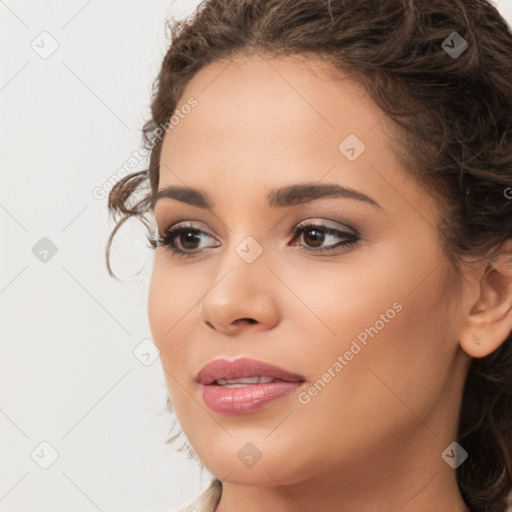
<point>251,397</point>
<point>243,367</point>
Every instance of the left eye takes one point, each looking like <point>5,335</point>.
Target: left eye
<point>183,240</point>
<point>318,234</point>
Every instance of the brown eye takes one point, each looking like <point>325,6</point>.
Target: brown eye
<point>183,240</point>
<point>188,239</point>
<point>314,236</point>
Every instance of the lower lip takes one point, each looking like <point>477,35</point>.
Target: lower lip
<point>248,399</point>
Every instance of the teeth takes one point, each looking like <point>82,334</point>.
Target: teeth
<point>240,382</point>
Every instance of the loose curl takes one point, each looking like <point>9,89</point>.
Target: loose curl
<point>453,130</point>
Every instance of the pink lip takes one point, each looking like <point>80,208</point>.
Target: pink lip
<point>250,398</point>
<point>242,367</point>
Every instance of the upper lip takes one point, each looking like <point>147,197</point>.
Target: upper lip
<point>243,367</point>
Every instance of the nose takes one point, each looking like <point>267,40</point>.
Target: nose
<point>240,298</point>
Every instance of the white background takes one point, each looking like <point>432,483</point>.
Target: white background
<point>68,374</point>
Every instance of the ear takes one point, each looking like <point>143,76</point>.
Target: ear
<point>489,321</point>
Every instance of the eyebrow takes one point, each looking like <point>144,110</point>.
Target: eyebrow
<point>287,196</point>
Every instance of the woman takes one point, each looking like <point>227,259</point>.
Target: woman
<point>329,201</point>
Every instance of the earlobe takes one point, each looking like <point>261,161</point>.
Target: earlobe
<point>489,321</point>
<point>479,343</point>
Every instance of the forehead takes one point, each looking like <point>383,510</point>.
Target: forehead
<point>265,95</point>
<point>263,122</point>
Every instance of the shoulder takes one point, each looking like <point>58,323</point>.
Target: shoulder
<point>207,501</point>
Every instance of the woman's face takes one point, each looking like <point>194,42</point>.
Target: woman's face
<point>362,312</point>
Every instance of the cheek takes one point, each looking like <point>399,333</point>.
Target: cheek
<point>165,308</point>
<point>396,348</point>
<point>389,315</point>
<point>170,300</point>
<point>158,298</point>
<point>166,312</point>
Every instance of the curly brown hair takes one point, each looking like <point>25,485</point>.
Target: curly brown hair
<point>453,118</point>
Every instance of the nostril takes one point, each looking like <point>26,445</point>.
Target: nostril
<point>249,320</point>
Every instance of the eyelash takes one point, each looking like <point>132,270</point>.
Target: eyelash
<point>168,238</point>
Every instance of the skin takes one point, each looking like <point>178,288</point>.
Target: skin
<point>372,438</point>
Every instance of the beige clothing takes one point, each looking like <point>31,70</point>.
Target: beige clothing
<point>208,500</point>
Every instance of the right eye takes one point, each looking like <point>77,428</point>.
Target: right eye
<point>182,240</point>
